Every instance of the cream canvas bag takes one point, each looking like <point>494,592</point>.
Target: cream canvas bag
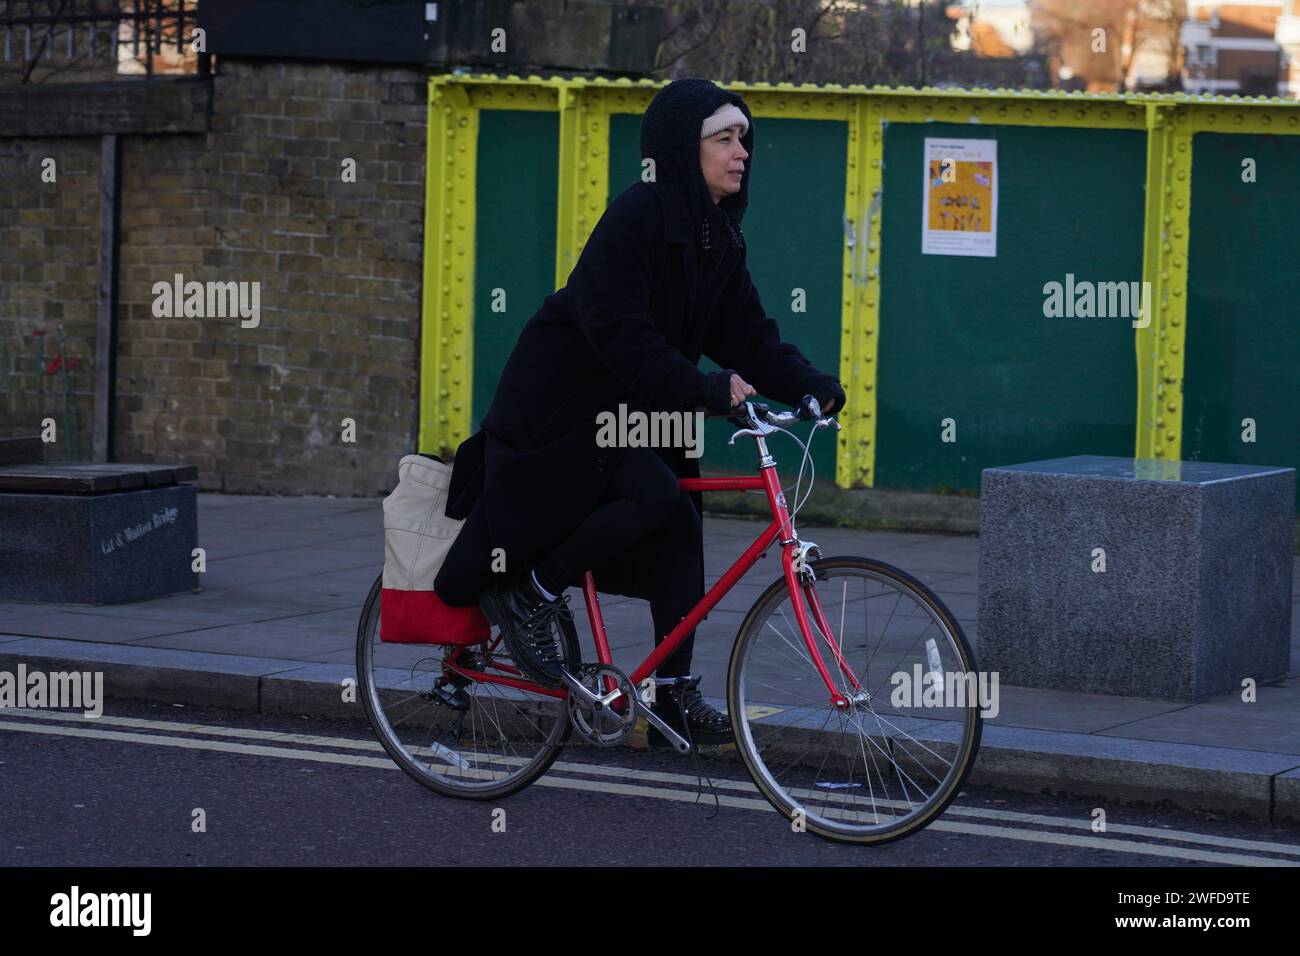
<point>417,536</point>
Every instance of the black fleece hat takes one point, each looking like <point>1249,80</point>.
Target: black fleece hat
<point>670,135</point>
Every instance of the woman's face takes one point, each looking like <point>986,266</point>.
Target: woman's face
<point>722,159</point>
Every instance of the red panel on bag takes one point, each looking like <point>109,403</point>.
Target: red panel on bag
<point>421,617</point>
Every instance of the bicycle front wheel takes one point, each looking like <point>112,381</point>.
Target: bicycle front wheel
<point>456,735</point>
<point>888,763</point>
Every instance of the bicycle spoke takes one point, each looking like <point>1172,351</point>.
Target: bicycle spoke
<point>797,759</point>
<point>821,768</point>
<point>812,700</point>
<point>910,646</point>
<point>904,733</point>
<point>520,711</point>
<point>801,652</point>
<point>504,737</point>
<point>885,629</point>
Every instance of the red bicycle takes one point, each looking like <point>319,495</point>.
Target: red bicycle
<point>850,685</point>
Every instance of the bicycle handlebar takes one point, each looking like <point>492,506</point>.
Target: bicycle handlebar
<point>749,413</point>
<point>809,410</point>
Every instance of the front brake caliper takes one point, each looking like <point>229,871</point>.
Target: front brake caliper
<point>808,553</point>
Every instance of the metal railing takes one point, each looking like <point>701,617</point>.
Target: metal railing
<point>139,36</point>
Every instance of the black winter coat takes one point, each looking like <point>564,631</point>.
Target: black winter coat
<point>662,280</point>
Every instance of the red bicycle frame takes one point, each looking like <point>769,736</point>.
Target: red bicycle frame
<point>766,479</point>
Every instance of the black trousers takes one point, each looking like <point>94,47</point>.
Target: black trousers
<point>643,506</point>
<point>642,503</point>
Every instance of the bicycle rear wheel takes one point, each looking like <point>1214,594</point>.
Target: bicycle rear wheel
<point>456,735</point>
<point>887,765</point>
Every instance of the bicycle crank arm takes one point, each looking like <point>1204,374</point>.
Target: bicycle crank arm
<point>575,687</point>
<point>595,701</point>
<point>657,722</point>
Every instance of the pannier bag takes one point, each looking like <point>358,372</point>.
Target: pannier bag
<point>417,536</point>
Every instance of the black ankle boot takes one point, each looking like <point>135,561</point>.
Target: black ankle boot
<point>706,724</point>
<point>528,624</point>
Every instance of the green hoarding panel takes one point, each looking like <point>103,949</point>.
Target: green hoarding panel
<point>514,247</point>
<point>1243,321</point>
<point>794,229</point>
<point>966,338</point>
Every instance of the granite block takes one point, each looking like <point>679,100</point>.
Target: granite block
<point>1195,595</point>
<point>97,548</point>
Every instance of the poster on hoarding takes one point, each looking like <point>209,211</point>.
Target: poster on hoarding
<point>959,214</point>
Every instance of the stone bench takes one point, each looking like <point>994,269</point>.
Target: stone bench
<point>96,533</point>
<point>21,449</point>
<point>1195,595</point>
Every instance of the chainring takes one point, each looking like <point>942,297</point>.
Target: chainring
<point>605,726</point>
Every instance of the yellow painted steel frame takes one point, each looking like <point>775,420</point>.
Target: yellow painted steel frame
<point>447,335</point>
<point>855,457</point>
<point>583,192</point>
<point>585,106</point>
<point>1161,340</point>
<point>447,319</point>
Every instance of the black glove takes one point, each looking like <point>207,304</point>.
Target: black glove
<point>824,389</point>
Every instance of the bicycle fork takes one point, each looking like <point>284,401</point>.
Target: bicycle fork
<point>801,591</point>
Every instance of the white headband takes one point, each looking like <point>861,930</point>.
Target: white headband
<point>728,114</point>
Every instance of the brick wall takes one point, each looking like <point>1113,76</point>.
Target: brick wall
<point>49,236</point>
<point>260,198</point>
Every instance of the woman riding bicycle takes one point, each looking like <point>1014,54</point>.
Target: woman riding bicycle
<point>661,281</point>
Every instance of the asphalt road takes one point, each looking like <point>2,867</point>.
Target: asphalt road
<point>126,790</point>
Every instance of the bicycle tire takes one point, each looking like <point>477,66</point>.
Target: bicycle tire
<point>737,704</point>
<point>367,635</point>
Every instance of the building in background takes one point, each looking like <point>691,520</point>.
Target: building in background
<point>1288,38</point>
<point>992,28</point>
<point>1111,45</point>
<point>991,43</point>
<point>1242,46</point>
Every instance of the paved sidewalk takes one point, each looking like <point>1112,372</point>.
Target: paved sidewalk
<point>274,629</point>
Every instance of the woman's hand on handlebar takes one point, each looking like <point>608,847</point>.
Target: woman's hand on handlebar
<point>829,393</point>
<point>740,390</point>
